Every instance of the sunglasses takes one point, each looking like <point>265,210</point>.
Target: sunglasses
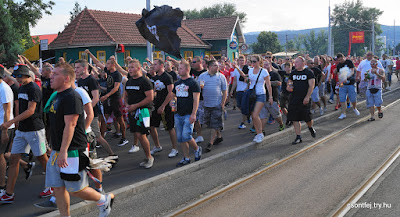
<point>269,57</point>
<point>373,64</point>
<point>17,76</point>
<point>194,61</point>
<point>253,61</point>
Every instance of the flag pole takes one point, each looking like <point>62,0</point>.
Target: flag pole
<point>149,50</point>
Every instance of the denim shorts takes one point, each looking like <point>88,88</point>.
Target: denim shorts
<point>261,98</point>
<point>374,99</point>
<point>349,90</point>
<point>183,128</point>
<point>239,97</point>
<point>315,95</point>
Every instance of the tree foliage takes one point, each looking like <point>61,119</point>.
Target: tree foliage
<point>353,16</point>
<point>25,14</point>
<point>9,43</point>
<point>216,10</point>
<point>75,12</point>
<point>315,44</point>
<point>290,45</point>
<point>266,41</point>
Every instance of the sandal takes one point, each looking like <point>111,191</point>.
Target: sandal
<point>371,119</point>
<point>380,115</point>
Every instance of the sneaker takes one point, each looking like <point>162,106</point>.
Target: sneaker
<point>218,140</point>
<point>388,88</point>
<point>6,199</point>
<point>259,138</point>
<point>380,114</point>
<point>147,163</point>
<point>348,105</point>
<point>253,130</point>
<point>155,150</point>
<point>325,109</point>
<point>330,101</point>
<point>255,138</point>
<point>47,192</point>
<point>199,139</point>
<point>281,127</point>
<point>356,112</point>
<point>117,135</point>
<point>249,119</point>
<point>312,131</point>
<point>321,111</point>
<point>342,116</point>
<point>173,153</point>
<point>242,126</point>
<point>197,154</point>
<point>209,147</point>
<point>28,171</point>
<point>288,123</point>
<point>123,142</point>
<point>183,162</point>
<point>46,205</point>
<point>134,149</point>
<point>297,141</point>
<point>105,208</point>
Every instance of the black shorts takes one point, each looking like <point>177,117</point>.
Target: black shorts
<point>134,128</point>
<point>5,147</point>
<point>213,117</point>
<point>299,112</point>
<point>167,118</point>
<point>114,106</point>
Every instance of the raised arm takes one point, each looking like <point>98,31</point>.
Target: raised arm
<point>95,60</point>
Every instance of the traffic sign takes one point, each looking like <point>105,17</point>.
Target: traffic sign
<point>44,44</point>
<point>233,45</point>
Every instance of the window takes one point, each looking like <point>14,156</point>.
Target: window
<point>101,56</point>
<point>127,54</point>
<point>216,53</point>
<point>82,56</point>
<point>188,54</point>
<point>158,55</point>
<point>65,56</point>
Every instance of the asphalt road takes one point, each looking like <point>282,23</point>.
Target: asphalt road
<point>175,193</point>
<point>314,183</point>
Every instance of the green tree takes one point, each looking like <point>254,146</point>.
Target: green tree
<point>25,14</point>
<point>75,12</point>
<point>315,44</point>
<point>353,16</point>
<point>290,45</point>
<point>10,45</point>
<point>266,41</point>
<point>397,49</point>
<point>216,10</point>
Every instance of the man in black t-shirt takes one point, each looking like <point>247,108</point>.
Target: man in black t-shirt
<point>163,86</point>
<point>301,83</point>
<point>46,93</point>
<point>268,109</point>
<point>168,69</point>
<point>348,87</point>
<point>89,83</point>
<point>112,101</point>
<point>285,95</point>
<point>138,97</point>
<point>69,144</point>
<point>30,130</point>
<point>186,98</point>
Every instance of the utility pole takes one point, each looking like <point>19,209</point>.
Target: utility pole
<point>373,37</point>
<point>149,50</point>
<point>394,36</point>
<point>286,46</point>
<point>329,32</point>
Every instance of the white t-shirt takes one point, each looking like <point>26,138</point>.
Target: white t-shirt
<point>386,63</point>
<point>327,71</point>
<point>240,85</point>
<point>260,87</point>
<point>366,65</point>
<point>6,96</point>
<point>85,100</point>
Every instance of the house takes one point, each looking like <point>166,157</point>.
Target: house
<point>102,31</point>
<point>219,32</point>
<point>33,53</point>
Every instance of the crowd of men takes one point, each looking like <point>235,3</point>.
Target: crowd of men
<point>61,113</point>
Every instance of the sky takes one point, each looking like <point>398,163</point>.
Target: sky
<point>262,15</point>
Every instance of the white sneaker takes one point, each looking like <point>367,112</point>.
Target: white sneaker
<point>199,139</point>
<point>134,149</point>
<point>356,112</point>
<point>321,111</point>
<point>342,116</point>
<point>388,88</point>
<point>330,101</point>
<point>260,138</point>
<point>173,153</point>
<point>325,109</point>
<point>155,150</point>
<point>255,138</point>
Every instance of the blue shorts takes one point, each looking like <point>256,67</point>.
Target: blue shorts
<point>374,99</point>
<point>315,95</point>
<point>348,90</point>
<point>183,128</point>
<point>239,97</point>
<point>388,76</point>
<point>261,98</point>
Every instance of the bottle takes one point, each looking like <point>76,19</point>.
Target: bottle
<point>173,105</point>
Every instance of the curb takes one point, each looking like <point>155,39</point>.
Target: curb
<point>139,187</point>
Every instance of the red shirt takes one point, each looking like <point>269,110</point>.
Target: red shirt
<point>335,76</point>
<point>397,64</point>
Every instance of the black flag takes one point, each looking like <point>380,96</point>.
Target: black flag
<point>159,27</point>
